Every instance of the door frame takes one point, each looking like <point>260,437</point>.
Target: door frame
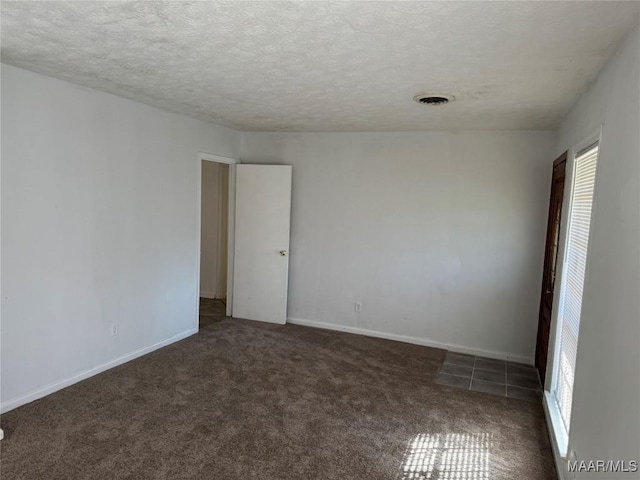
<point>232,162</point>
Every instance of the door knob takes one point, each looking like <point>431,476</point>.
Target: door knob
<point>283,253</point>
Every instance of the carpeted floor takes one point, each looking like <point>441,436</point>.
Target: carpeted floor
<point>245,400</point>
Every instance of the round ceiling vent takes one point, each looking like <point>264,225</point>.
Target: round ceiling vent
<point>433,99</point>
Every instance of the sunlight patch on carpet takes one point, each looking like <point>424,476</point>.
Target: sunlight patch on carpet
<point>447,456</point>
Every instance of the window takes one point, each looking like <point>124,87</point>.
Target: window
<point>572,284</point>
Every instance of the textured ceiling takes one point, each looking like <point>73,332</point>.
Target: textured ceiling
<point>327,66</point>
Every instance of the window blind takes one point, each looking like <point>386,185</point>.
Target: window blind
<point>570,304</point>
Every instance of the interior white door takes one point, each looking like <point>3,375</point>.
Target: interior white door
<point>261,264</point>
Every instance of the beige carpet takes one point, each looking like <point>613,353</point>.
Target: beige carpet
<point>244,400</point>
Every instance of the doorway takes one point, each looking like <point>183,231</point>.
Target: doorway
<point>216,238</point>
<point>244,226</point>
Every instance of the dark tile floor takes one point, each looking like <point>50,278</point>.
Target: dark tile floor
<point>498,377</point>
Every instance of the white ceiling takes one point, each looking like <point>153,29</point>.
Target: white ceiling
<point>327,66</point>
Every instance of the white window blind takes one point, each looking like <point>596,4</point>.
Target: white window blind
<point>570,304</point>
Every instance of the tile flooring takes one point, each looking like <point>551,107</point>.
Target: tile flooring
<point>498,377</point>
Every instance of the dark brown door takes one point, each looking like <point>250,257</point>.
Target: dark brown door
<point>550,261</point>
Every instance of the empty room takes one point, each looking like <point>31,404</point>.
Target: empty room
<point>332,240</point>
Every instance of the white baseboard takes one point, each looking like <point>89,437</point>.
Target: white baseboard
<point>511,357</point>
<point>427,342</point>
<point>54,387</point>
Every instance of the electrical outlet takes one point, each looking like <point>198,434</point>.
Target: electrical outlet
<point>358,307</point>
<point>114,329</point>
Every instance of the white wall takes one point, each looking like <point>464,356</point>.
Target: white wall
<point>605,421</point>
<point>213,230</point>
<point>439,235</point>
<point>99,227</point>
